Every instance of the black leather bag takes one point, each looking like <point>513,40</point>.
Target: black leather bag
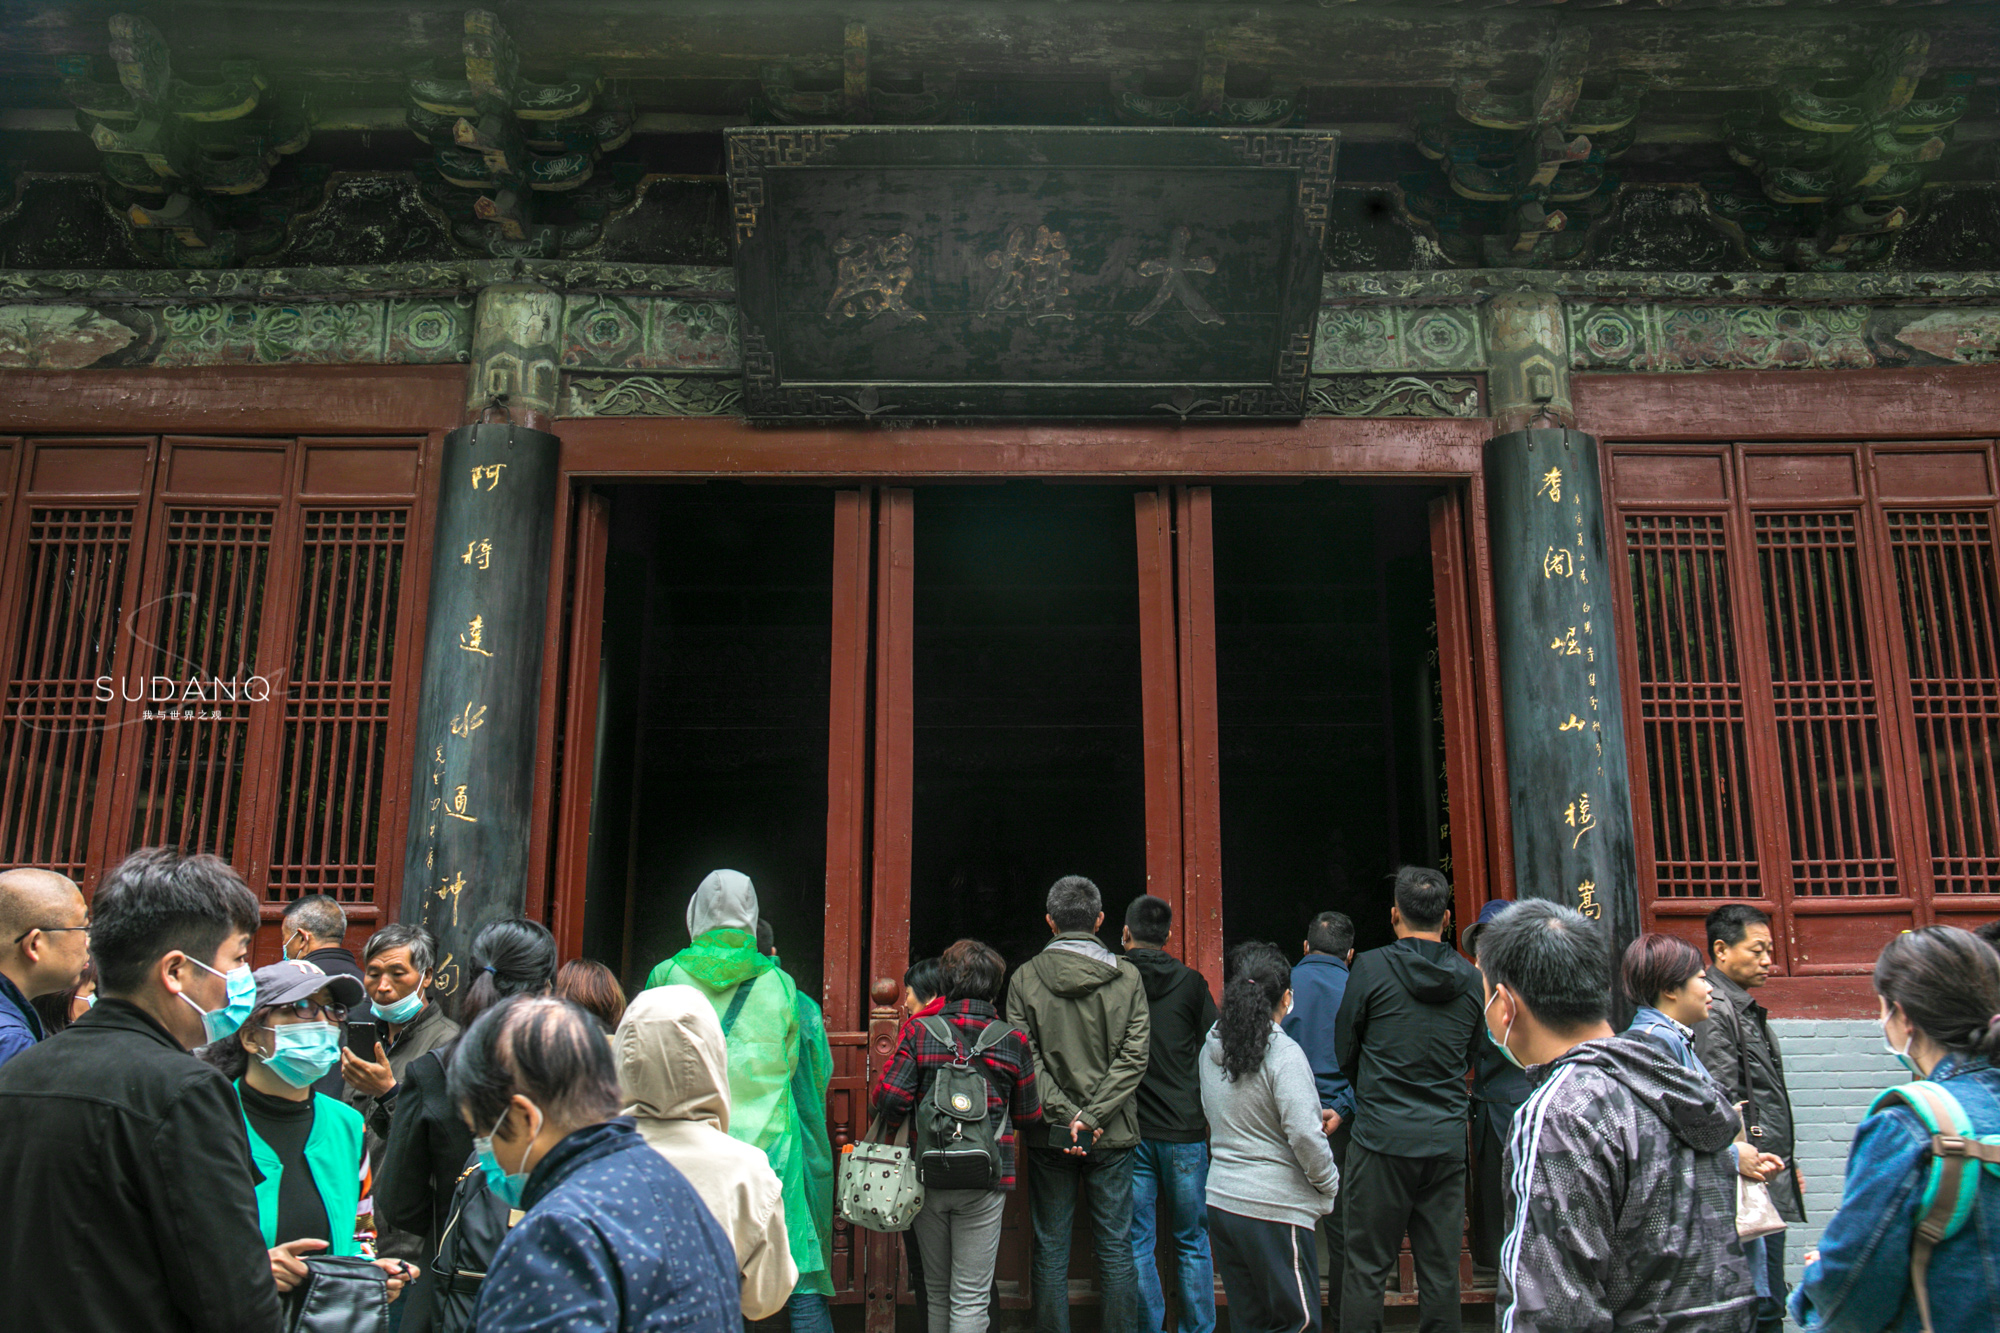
<point>479,1222</point>
<point>340,1294</point>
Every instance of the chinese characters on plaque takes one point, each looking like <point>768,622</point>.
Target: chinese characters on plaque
<point>955,272</point>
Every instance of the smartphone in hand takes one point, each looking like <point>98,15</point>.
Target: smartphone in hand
<point>363,1035</point>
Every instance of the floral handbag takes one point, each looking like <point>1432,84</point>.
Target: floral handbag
<point>879,1189</point>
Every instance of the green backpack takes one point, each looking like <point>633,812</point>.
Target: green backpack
<point>956,1147</point>
<point>1957,1157</point>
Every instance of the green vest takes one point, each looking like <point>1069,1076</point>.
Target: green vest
<point>333,1155</point>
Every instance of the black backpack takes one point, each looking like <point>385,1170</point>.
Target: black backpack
<point>479,1222</point>
<point>956,1146</point>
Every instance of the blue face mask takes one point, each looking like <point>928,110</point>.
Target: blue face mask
<point>402,1011</point>
<point>1904,1054</point>
<point>506,1185</point>
<point>1501,1041</point>
<point>238,1000</point>
<point>305,1052</point>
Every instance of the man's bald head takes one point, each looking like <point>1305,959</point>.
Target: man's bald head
<point>42,949</point>
<point>36,899</point>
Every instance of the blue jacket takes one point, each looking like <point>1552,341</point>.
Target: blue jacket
<point>1319,984</point>
<point>20,1025</point>
<point>1861,1281</point>
<point>613,1238</point>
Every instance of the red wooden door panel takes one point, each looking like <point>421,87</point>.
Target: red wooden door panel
<point>71,579</point>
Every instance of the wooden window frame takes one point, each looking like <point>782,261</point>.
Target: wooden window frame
<point>1739,416</point>
<point>308,413</point>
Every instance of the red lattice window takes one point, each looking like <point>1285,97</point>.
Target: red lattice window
<point>1823,696</point>
<point>68,609</point>
<point>200,640</point>
<point>339,705</point>
<point>1691,705</point>
<point>1951,632</point>
<point>1814,635</point>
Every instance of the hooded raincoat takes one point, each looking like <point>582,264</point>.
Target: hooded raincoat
<point>1621,1190</point>
<point>779,1063</point>
<point>675,1071</point>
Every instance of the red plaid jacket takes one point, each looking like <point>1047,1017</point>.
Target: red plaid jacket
<point>1011,1098</point>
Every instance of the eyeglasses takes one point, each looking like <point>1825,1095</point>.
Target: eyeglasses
<point>49,930</point>
<point>310,1011</point>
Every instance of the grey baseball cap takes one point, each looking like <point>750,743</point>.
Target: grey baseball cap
<point>297,979</point>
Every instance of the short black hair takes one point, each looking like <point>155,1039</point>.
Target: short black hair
<point>1149,919</point>
<point>926,978</point>
<point>1423,896</point>
<point>549,1050</point>
<point>1729,923</point>
<point>1331,932</point>
<point>767,938</point>
<point>157,901</point>
<point>318,915</point>
<point>1075,903</point>
<point>1989,931</point>
<point>1553,959</point>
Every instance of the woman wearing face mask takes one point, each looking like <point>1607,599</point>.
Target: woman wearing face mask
<point>1939,990</point>
<point>430,1185</point>
<point>1664,977</point>
<point>1271,1175</point>
<point>306,1146</point>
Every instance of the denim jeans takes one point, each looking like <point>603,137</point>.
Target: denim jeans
<point>1771,1308</point>
<point>1106,1179</point>
<point>809,1313</point>
<point>1179,1173</point>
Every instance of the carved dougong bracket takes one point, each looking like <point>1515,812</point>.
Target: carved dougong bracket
<point>175,148</point>
<point>500,141</point>
<point>1521,168</point>
<point>852,94</point>
<point>1208,102</point>
<point>1839,165</point>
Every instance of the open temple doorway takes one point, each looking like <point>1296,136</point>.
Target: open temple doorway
<point>1329,704</point>
<point>712,717</point>
<point>1028,726</point>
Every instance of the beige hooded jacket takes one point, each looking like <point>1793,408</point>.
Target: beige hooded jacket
<point>675,1072</point>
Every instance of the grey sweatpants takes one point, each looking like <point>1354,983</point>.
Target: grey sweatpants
<point>958,1233</point>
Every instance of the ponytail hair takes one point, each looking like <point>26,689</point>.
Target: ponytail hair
<point>511,957</point>
<point>1258,976</point>
<point>1948,984</point>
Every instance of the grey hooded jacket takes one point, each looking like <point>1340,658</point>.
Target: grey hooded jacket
<point>1621,1194</point>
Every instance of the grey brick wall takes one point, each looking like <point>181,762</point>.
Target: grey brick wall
<point>1834,1068</point>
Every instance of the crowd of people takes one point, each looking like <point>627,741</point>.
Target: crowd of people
<point>194,1144</point>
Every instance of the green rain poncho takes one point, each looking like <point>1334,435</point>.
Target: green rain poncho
<point>779,1065</point>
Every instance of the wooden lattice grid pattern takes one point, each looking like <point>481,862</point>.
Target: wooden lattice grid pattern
<point>72,574</point>
<point>1951,629</point>
<point>1691,707</point>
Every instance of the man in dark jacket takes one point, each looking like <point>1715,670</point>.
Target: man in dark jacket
<point>44,944</point>
<point>1087,1021</point>
<point>1319,984</point>
<point>1171,1161</point>
<point>1736,1043</point>
<point>611,1235</point>
<point>1621,1183</point>
<point>1405,1040</point>
<point>398,963</point>
<point>1498,1089</point>
<point>128,1172</point>
<point>315,930</point>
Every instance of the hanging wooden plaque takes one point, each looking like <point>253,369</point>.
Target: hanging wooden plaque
<point>926,272</point>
